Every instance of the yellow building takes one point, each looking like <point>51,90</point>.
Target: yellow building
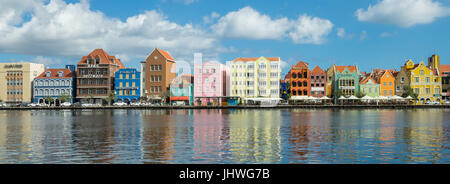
<point>16,81</point>
<point>425,82</point>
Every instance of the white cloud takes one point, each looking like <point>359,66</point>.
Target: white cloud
<point>210,18</point>
<point>310,30</point>
<point>60,29</point>
<point>404,13</point>
<point>385,34</point>
<point>341,33</point>
<point>248,23</point>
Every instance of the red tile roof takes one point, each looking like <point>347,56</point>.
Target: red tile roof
<point>104,58</point>
<point>366,79</point>
<point>54,74</point>
<point>166,54</point>
<point>301,64</point>
<point>342,68</point>
<point>246,59</point>
<point>316,70</point>
<point>444,68</point>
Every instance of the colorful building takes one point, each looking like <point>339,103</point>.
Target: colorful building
<point>127,85</point>
<point>318,82</point>
<point>387,83</point>
<point>369,86</point>
<point>59,84</point>
<point>425,82</point>
<point>158,70</point>
<point>210,81</point>
<point>95,76</point>
<point>300,79</point>
<point>402,80</point>
<point>182,90</point>
<point>445,77</point>
<point>330,81</point>
<point>346,81</point>
<point>255,78</point>
<point>16,81</point>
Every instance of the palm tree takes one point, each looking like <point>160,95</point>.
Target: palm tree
<point>49,99</point>
<point>112,97</point>
<point>65,97</point>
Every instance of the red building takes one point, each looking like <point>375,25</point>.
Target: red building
<point>318,82</point>
<point>95,76</point>
<point>299,79</point>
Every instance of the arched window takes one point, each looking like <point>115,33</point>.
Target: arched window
<point>299,75</point>
<point>294,75</point>
<point>48,74</point>
<point>299,84</point>
<point>60,74</point>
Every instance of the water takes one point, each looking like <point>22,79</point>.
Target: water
<point>225,136</point>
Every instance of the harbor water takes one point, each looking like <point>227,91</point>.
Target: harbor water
<point>303,136</point>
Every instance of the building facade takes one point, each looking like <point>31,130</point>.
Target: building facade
<point>210,80</point>
<point>127,85</point>
<point>59,84</point>
<point>95,76</point>
<point>255,77</point>
<point>330,81</point>
<point>425,82</point>
<point>318,82</point>
<point>387,83</point>
<point>300,79</point>
<point>445,77</point>
<point>369,86</point>
<point>158,70</point>
<point>182,90</point>
<point>346,81</point>
<point>16,81</point>
<point>402,80</point>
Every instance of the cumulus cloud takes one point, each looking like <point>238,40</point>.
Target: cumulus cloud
<point>248,23</point>
<point>341,33</point>
<point>310,30</point>
<point>210,18</point>
<point>61,29</point>
<point>405,13</point>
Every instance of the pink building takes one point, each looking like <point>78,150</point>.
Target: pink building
<point>210,83</point>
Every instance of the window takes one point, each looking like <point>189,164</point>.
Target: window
<point>421,72</point>
<point>427,91</point>
<point>427,79</point>
<point>390,83</point>
<point>416,79</point>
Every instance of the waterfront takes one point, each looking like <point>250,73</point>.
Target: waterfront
<point>225,136</point>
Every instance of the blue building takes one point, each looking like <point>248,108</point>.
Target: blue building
<point>127,85</point>
<point>54,83</point>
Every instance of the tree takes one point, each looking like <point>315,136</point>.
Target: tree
<point>408,91</point>
<point>91,99</point>
<point>164,95</point>
<point>1,100</point>
<point>65,97</point>
<point>49,99</point>
<point>112,97</point>
<point>360,94</point>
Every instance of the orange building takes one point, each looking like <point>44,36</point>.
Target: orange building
<point>387,83</point>
<point>300,79</point>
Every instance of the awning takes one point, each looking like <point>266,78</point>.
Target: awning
<point>179,98</point>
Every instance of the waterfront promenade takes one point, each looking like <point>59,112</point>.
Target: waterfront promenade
<point>384,106</point>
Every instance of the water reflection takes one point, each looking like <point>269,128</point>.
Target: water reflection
<point>225,136</point>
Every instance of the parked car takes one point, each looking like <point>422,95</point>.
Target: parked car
<point>33,105</point>
<point>433,103</point>
<point>135,104</point>
<point>446,102</point>
<point>66,104</point>
<point>87,105</point>
<point>119,104</point>
<point>2,104</point>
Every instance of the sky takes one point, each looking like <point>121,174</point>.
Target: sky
<point>367,33</point>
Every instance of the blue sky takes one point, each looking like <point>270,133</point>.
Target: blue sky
<point>320,32</point>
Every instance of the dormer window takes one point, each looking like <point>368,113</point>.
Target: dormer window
<point>48,74</point>
<point>97,61</point>
<point>60,74</point>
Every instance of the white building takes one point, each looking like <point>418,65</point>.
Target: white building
<point>255,78</point>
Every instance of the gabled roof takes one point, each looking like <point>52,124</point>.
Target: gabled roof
<point>246,59</point>
<point>317,69</point>
<point>367,79</point>
<point>342,68</point>
<point>54,73</point>
<point>301,64</point>
<point>104,58</point>
<point>165,54</point>
<point>186,79</point>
